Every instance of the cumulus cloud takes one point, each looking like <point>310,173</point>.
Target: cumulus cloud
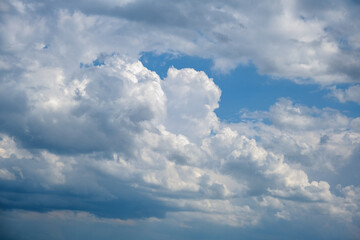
<point>111,120</point>
<point>116,141</point>
<point>190,111</point>
<point>313,138</point>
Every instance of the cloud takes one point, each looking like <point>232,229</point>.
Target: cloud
<point>109,120</point>
<point>5,174</point>
<point>350,94</point>
<point>288,39</point>
<point>116,141</point>
<point>190,111</point>
<point>313,138</point>
<point>86,128</point>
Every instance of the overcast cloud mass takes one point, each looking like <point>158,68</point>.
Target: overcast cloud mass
<point>95,145</point>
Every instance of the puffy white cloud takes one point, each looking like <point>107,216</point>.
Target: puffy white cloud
<point>265,172</point>
<point>314,138</point>
<point>190,111</point>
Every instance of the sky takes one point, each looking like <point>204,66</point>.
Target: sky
<point>144,119</point>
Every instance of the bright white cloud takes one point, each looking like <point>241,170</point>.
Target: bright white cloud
<point>192,99</point>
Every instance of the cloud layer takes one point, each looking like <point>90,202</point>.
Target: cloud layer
<point>88,134</point>
<point>297,40</point>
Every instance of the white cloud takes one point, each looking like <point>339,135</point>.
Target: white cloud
<point>310,137</point>
<point>351,94</point>
<point>192,99</point>
<point>296,117</point>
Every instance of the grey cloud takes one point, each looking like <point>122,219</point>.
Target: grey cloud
<point>95,122</point>
<point>127,205</point>
<point>227,33</point>
<point>158,13</point>
<point>65,185</point>
<point>87,227</point>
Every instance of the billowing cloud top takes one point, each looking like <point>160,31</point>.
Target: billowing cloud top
<point>90,135</point>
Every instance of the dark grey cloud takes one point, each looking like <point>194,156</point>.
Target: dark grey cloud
<point>37,189</point>
<point>128,204</point>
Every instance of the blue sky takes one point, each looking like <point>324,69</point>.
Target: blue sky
<point>244,88</point>
<point>138,119</point>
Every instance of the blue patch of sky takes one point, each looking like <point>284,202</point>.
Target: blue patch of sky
<point>96,62</point>
<point>244,89</point>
